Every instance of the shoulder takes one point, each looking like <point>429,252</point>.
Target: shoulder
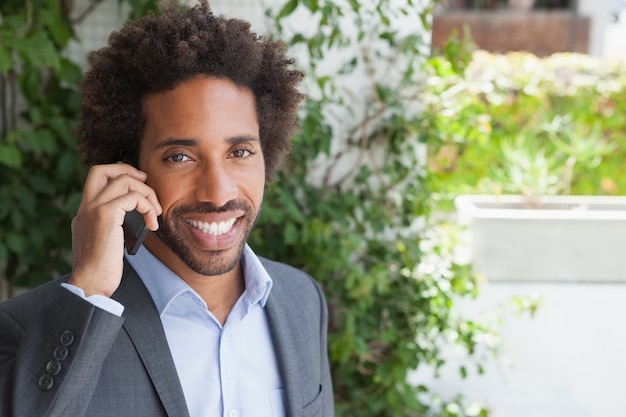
<point>284,274</point>
<point>292,283</point>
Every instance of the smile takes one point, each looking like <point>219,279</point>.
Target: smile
<point>214,229</point>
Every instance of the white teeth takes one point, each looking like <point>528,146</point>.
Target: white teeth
<point>214,229</point>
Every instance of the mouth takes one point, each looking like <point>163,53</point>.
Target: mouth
<point>213,228</point>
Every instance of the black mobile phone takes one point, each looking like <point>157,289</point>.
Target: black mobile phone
<point>135,231</point>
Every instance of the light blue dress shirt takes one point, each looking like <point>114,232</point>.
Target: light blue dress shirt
<point>229,370</point>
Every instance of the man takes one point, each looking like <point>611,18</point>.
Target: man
<point>194,324</point>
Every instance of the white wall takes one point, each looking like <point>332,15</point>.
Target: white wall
<point>615,36</point>
<point>93,32</point>
<point>108,16</point>
<point>567,361</point>
<point>598,11</point>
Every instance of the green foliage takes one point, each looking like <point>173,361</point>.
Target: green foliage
<point>39,171</point>
<point>40,174</point>
<point>519,124</point>
<point>353,206</point>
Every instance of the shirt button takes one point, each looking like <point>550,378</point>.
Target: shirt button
<point>233,413</point>
<point>53,367</point>
<point>46,382</point>
<point>60,353</point>
<point>67,338</point>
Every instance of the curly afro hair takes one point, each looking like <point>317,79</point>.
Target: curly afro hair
<point>158,52</point>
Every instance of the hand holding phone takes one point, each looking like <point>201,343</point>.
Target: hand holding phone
<point>97,238</point>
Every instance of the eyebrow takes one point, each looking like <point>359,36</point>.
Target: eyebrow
<point>190,143</point>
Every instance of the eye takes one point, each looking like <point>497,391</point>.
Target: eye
<point>178,157</point>
<point>242,153</point>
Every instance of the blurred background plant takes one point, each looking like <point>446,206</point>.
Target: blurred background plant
<point>541,161</point>
<point>40,173</point>
<point>354,208</point>
<point>40,176</point>
<point>520,124</point>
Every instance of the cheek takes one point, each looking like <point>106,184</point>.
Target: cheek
<point>255,185</point>
<point>167,192</point>
<point>258,201</point>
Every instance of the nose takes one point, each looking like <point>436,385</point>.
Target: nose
<point>215,184</point>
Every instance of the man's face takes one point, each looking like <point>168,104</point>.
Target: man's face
<point>201,150</point>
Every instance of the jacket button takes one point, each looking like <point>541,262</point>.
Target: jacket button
<point>46,382</point>
<point>60,353</point>
<point>53,368</point>
<point>67,338</point>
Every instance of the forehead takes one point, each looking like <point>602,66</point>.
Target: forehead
<point>199,91</point>
<point>201,106</point>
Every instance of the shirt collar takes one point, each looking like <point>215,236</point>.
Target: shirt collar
<point>164,285</point>
<point>258,281</point>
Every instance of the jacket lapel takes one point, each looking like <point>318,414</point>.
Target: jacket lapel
<point>143,326</point>
<point>282,314</point>
<point>286,351</point>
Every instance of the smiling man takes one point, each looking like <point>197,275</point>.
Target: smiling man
<point>194,324</point>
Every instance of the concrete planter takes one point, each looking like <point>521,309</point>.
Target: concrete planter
<point>567,238</point>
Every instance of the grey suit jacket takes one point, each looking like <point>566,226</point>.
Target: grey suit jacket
<point>61,356</point>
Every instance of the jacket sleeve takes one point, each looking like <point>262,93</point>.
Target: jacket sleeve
<point>52,346</point>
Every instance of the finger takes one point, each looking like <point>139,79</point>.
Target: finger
<point>143,205</point>
<point>101,175</point>
<point>121,186</point>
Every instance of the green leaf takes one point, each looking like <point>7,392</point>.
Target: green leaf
<point>297,38</point>
<point>30,84</point>
<point>25,199</point>
<point>287,9</point>
<point>13,22</point>
<point>41,141</point>
<point>52,17</point>
<point>17,219</point>
<point>291,234</point>
<point>42,184</point>
<point>67,164</point>
<point>38,50</point>
<point>16,243</point>
<point>69,71</point>
<point>3,253</point>
<point>72,203</point>
<point>312,5</point>
<point>36,236</point>
<point>10,155</point>
<point>6,60</point>
<point>34,115</point>
<point>5,205</point>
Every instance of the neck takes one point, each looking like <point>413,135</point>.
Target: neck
<point>219,292</point>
